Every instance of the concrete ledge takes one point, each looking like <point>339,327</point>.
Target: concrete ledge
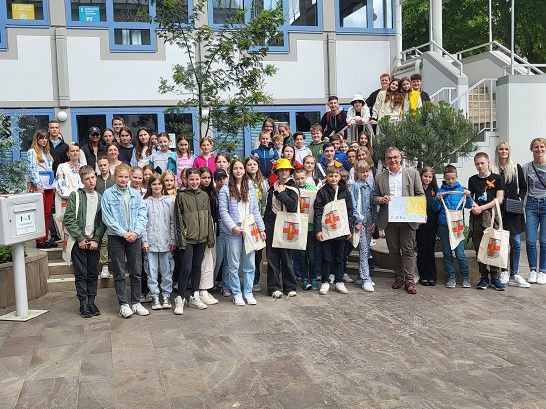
<point>36,272</point>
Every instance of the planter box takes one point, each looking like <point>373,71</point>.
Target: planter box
<point>37,272</point>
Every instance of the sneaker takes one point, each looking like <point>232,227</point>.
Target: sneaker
<point>256,288</point>
<point>179,305</point>
<point>276,294</point>
<point>195,302</point>
<point>314,284</point>
<point>518,281</point>
<point>368,286</point>
<point>347,278</point>
<point>85,311</point>
<point>56,238</point>
<point>207,298</point>
<point>125,311</point>
<point>249,299</point>
<point>359,281</point>
<point>142,298</point>
<point>238,300</point>
<point>306,285</point>
<point>226,293</point>
<point>532,277</point>
<point>291,294</point>
<point>466,283</point>
<point>43,245</point>
<point>140,310</point>
<point>484,282</point>
<point>324,288</point>
<point>340,288</point>
<point>451,283</point>
<point>156,305</point>
<point>166,303</point>
<point>104,272</point>
<point>53,241</point>
<point>541,278</point>
<point>504,276</point>
<point>331,278</point>
<point>94,309</point>
<point>496,284</point>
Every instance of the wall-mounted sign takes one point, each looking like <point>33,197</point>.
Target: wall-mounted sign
<point>89,13</point>
<point>22,11</point>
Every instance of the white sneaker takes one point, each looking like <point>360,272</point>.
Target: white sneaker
<point>347,278</point>
<point>238,300</point>
<point>155,303</point>
<point>276,294</point>
<point>179,305</point>
<point>140,310</point>
<point>324,288</point>
<point>195,302</point>
<point>166,303</point>
<point>125,311</point>
<point>368,286</point>
<point>541,278</point>
<point>372,242</point>
<point>532,277</point>
<point>504,276</point>
<point>207,298</point>
<point>331,278</point>
<point>518,281</point>
<point>250,299</point>
<point>340,288</point>
<point>104,272</point>
<point>291,294</point>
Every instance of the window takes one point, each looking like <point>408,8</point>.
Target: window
<point>136,121</point>
<point>126,20</point>
<point>84,122</point>
<point>14,13</point>
<point>303,13</point>
<point>372,16</point>
<point>23,125</point>
<point>223,10</point>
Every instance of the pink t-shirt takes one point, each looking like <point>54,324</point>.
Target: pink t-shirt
<point>183,163</point>
<point>201,161</point>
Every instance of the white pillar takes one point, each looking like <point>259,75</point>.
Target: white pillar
<point>436,21</point>
<point>398,27</point>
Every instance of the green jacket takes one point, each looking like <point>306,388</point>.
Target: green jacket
<point>75,223</point>
<point>193,218</point>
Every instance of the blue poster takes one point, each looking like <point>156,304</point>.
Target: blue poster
<point>89,13</point>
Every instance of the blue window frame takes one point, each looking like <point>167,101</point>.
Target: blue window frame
<point>128,31</point>
<point>301,16</point>
<point>24,122</point>
<point>13,13</point>
<point>365,16</point>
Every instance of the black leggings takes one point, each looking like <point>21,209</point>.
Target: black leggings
<point>191,259</point>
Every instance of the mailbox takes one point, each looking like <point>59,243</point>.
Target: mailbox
<point>21,218</point>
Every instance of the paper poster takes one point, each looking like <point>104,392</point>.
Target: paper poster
<point>22,11</point>
<point>408,209</point>
<point>89,13</point>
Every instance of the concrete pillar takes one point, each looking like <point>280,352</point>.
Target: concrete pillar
<point>436,21</point>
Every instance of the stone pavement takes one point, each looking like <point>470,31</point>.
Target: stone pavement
<point>458,348</point>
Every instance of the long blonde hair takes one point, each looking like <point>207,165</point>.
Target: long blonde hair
<point>38,149</point>
<point>510,168</point>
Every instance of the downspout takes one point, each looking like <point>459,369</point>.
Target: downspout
<point>398,26</point>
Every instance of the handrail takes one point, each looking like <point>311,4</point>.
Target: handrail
<point>436,45</point>
<point>441,90</point>
<point>525,65</point>
<point>476,85</point>
<point>520,60</point>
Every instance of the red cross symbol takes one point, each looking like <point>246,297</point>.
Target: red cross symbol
<point>493,247</point>
<point>457,228</point>
<point>290,230</point>
<point>304,204</point>
<point>331,219</point>
<point>254,232</point>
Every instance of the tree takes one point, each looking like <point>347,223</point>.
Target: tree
<point>225,73</point>
<point>466,22</point>
<point>433,135</point>
<point>12,174</point>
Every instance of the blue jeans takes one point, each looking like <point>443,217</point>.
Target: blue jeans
<point>515,252</point>
<point>165,262</point>
<point>119,249</point>
<point>236,252</point>
<point>535,212</point>
<point>221,259</point>
<point>443,233</point>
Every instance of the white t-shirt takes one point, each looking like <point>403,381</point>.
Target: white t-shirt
<point>92,204</point>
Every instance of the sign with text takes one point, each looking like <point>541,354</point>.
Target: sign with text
<point>89,13</point>
<point>408,209</point>
<point>22,11</point>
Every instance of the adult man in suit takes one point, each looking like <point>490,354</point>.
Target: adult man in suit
<point>395,181</point>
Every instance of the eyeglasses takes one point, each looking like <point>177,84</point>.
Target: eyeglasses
<point>392,157</point>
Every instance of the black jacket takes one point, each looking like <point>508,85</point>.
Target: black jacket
<point>59,154</point>
<point>90,153</point>
<point>289,198</point>
<point>331,122</point>
<point>326,195</point>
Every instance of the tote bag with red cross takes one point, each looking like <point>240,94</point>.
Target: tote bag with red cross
<point>335,222</point>
<point>251,235</point>
<point>455,223</point>
<point>494,247</point>
<point>291,229</point>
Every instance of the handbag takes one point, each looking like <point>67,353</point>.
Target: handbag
<point>455,223</point>
<point>494,247</point>
<point>68,240</point>
<point>251,235</point>
<point>335,222</point>
<point>355,240</point>
<point>514,205</point>
<point>291,229</point>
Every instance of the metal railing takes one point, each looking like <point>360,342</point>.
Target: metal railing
<point>412,53</point>
<point>477,103</point>
<point>443,94</point>
<point>508,68</point>
<point>496,46</point>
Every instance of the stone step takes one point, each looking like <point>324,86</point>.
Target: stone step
<point>54,253</point>
<point>59,267</point>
